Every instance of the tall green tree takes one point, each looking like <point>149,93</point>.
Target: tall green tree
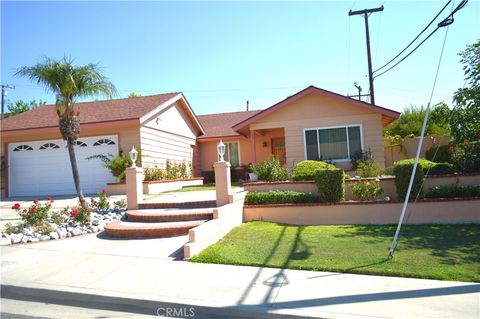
<point>21,106</point>
<point>69,82</point>
<point>134,94</point>
<point>465,119</point>
<point>411,122</point>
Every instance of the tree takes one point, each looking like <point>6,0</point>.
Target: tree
<point>411,122</point>
<point>69,82</point>
<point>465,119</point>
<point>21,106</point>
<point>134,94</point>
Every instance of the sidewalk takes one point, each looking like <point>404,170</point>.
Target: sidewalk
<point>142,284</point>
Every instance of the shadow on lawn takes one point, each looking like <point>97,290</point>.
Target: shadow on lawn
<point>452,243</point>
<point>298,251</point>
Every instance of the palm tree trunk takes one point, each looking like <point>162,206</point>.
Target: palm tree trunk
<point>73,163</point>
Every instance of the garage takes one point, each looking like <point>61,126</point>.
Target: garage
<point>42,168</point>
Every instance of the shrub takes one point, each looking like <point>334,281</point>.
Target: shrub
<point>429,167</point>
<point>102,203</point>
<point>388,171</point>
<point>12,229</point>
<point>367,190</point>
<point>58,217</point>
<point>402,171</point>
<point>44,229</point>
<point>450,191</point>
<point>81,214</point>
<point>361,156</point>
<point>117,165</point>
<point>153,173</point>
<point>36,214</point>
<point>305,170</point>
<point>331,184</point>
<point>279,197</point>
<point>466,157</point>
<point>271,170</point>
<point>368,169</point>
<point>120,204</point>
<point>443,154</point>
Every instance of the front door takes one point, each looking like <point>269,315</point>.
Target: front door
<point>278,149</point>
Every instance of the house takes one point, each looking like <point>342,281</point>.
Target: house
<point>36,159</point>
<point>311,124</point>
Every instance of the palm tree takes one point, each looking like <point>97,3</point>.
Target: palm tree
<point>69,82</point>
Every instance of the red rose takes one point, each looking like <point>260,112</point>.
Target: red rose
<point>16,206</point>
<point>92,200</point>
<point>82,200</point>
<point>35,201</point>
<point>104,191</point>
<point>74,213</point>
<point>34,210</point>
<point>49,198</point>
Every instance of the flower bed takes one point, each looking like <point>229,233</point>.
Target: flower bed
<point>40,222</point>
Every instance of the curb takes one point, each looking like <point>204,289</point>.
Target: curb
<point>138,306</point>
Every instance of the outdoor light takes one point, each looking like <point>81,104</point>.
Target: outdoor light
<point>264,144</point>
<point>221,151</point>
<point>133,156</point>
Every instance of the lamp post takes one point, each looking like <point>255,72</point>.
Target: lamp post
<point>133,156</point>
<point>221,151</point>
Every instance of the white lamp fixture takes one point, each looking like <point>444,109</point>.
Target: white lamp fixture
<point>221,151</point>
<point>133,156</point>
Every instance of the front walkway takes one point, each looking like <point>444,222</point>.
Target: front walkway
<point>100,278</point>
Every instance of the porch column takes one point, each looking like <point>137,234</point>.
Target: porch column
<point>134,184</point>
<point>253,145</point>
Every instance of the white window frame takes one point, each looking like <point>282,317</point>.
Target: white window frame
<point>228,150</point>
<point>330,127</point>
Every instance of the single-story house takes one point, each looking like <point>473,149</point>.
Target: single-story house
<point>311,124</point>
<point>36,159</point>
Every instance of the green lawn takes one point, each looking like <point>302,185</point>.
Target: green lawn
<point>199,188</point>
<point>447,252</point>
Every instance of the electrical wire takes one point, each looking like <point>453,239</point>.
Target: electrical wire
<point>407,213</point>
<point>411,42</point>
<point>444,23</point>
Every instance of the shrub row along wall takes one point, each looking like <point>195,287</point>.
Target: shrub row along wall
<point>423,212</point>
<point>155,187</point>
<point>387,184</point>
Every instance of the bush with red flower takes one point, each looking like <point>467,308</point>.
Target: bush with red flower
<point>103,202</point>
<point>35,215</point>
<point>81,213</point>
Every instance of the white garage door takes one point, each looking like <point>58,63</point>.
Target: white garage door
<point>43,167</point>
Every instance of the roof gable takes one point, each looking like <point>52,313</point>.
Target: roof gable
<point>220,124</point>
<point>387,114</point>
<point>90,112</point>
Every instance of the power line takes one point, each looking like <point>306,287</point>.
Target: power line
<point>445,22</point>
<point>411,42</point>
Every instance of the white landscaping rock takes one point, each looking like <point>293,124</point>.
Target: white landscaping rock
<point>25,239</point>
<point>76,232</point>
<point>101,227</point>
<point>95,222</point>
<point>33,239</point>
<point>44,237</point>
<point>17,238</point>
<point>94,229</point>
<point>54,235</point>
<point>5,241</point>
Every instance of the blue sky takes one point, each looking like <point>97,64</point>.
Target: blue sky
<point>221,54</point>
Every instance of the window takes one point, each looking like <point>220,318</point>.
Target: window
<point>104,141</point>
<point>335,143</point>
<point>49,146</point>
<point>232,154</point>
<point>23,148</point>
<point>81,144</point>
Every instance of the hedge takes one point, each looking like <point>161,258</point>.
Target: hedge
<point>331,184</point>
<point>305,170</point>
<point>443,155</point>
<point>450,191</point>
<point>429,167</point>
<point>271,170</point>
<point>403,171</point>
<point>279,197</point>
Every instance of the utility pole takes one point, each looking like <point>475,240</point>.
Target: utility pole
<point>4,93</point>
<point>366,13</point>
<point>359,88</point>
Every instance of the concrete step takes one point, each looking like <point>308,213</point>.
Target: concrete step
<point>169,215</point>
<point>193,204</point>
<point>125,229</point>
